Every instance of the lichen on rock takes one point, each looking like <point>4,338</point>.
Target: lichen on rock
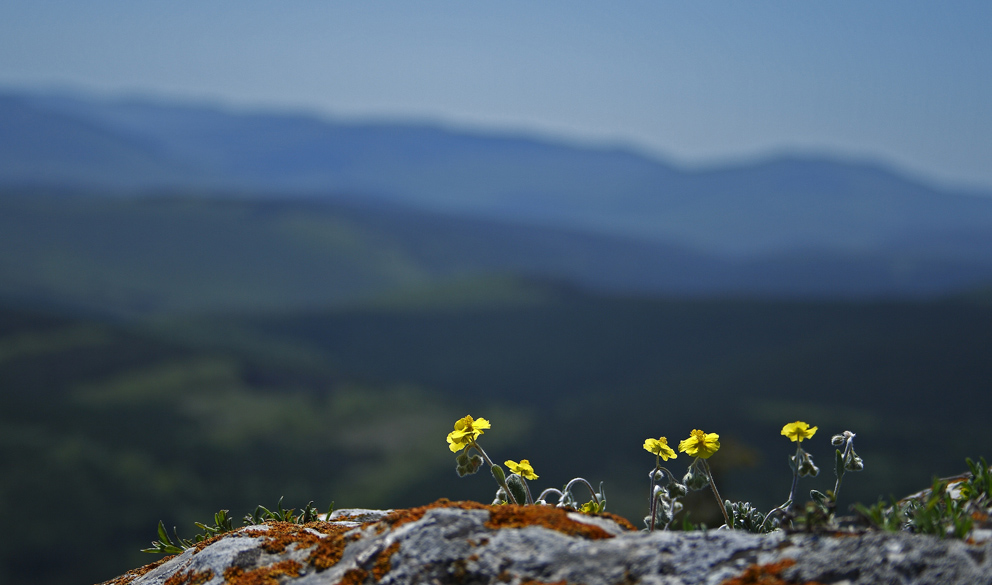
<point>464,542</point>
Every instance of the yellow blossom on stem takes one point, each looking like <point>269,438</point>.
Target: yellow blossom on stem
<point>660,447</point>
<point>467,430</point>
<point>798,431</point>
<point>700,444</point>
<point>523,469</point>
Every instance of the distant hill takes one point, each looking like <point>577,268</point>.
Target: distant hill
<point>774,207</point>
<point>197,253</point>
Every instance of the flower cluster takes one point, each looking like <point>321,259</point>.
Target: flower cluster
<point>513,488</point>
<point>666,490</point>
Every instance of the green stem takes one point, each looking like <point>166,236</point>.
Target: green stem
<point>719,500</point>
<point>848,447</point>
<point>653,502</point>
<point>792,492</point>
<point>592,490</point>
<point>489,462</point>
<point>795,474</point>
<point>530,500</point>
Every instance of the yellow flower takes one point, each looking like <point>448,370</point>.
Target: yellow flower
<point>700,444</point>
<point>467,430</point>
<point>523,469</point>
<point>798,431</point>
<point>660,447</point>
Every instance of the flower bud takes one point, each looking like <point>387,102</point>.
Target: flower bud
<point>678,490</point>
<point>695,480</point>
<point>837,440</point>
<point>809,470</point>
<point>806,466</point>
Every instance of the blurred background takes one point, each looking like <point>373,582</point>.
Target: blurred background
<point>255,249</point>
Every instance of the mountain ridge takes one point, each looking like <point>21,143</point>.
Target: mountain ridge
<point>772,206</point>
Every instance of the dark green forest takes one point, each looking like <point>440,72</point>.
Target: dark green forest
<point>107,426</point>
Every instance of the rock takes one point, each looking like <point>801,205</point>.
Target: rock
<point>466,543</point>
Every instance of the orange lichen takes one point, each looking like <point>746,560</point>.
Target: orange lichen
<point>263,575</point>
<point>766,575</point>
<point>329,549</point>
<point>401,517</point>
<point>354,577</point>
<point>511,516</point>
<point>281,535</point>
<point>554,518</point>
<point>382,565</point>
<point>190,577</point>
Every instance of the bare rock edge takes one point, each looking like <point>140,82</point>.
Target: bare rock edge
<point>465,543</point>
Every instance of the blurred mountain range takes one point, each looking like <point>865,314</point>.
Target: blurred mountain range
<point>399,205</point>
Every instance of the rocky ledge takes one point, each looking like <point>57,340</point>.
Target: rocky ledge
<point>467,543</point>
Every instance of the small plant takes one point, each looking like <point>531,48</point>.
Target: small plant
<point>702,446</point>
<point>802,465</point>
<point>512,489</point>
<point>263,514</point>
<point>844,461</point>
<point>665,491</point>
<point>891,518</point>
<point>223,523</point>
<point>744,516</point>
<point>950,508</point>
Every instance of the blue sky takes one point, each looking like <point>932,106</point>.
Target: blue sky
<point>698,82</point>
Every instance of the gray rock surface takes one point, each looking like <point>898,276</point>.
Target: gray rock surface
<point>463,546</point>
